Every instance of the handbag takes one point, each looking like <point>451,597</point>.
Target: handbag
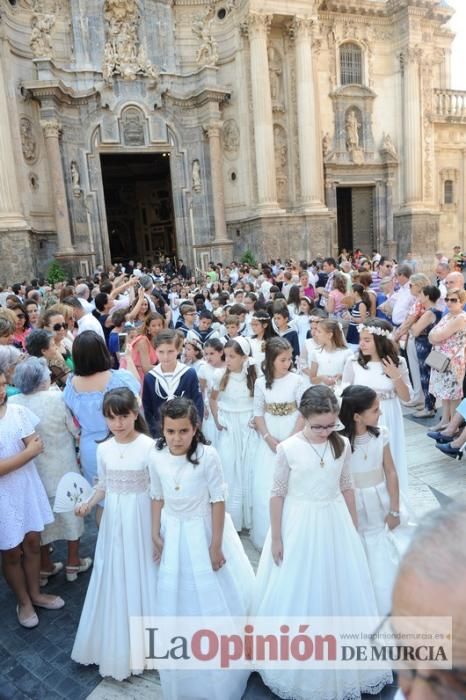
<point>438,360</point>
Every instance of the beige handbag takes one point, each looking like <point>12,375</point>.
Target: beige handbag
<point>438,360</point>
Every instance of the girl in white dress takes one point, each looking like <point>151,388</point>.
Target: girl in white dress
<point>203,570</point>
<point>310,344</point>
<point>276,398</point>
<point>313,562</point>
<point>262,330</point>
<point>379,367</point>
<point>193,355</point>
<point>124,578</point>
<point>232,406</point>
<point>214,357</point>
<point>376,490</point>
<point>24,509</point>
<point>328,360</point>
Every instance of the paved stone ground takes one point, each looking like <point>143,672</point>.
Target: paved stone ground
<point>36,664</point>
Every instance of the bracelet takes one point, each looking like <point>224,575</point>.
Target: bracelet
<point>394,513</point>
<point>266,435</point>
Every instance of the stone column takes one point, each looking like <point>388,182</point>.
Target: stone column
<point>10,208</point>
<point>57,178</point>
<point>310,150</point>
<point>258,26</point>
<point>214,130</point>
<point>412,127</point>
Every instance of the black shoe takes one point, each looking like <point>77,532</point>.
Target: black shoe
<point>440,437</point>
<point>450,451</point>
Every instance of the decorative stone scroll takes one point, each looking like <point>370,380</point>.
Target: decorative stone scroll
<point>124,56</point>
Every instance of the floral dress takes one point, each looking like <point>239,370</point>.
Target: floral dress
<point>448,385</point>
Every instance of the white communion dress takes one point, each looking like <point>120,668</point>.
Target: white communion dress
<point>124,578</point>
<point>384,548</point>
<point>207,374</point>
<point>374,377</point>
<point>187,584</point>
<point>324,571</point>
<point>278,406</point>
<point>237,445</point>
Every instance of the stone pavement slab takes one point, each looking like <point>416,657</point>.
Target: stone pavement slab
<point>36,664</point>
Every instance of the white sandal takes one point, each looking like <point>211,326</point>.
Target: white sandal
<point>71,572</point>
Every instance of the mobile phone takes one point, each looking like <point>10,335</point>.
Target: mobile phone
<point>122,337</point>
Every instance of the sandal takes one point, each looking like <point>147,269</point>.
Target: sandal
<point>57,567</point>
<point>72,572</point>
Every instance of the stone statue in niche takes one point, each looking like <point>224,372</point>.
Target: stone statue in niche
<point>75,179</point>
<point>230,138</point>
<point>133,127</point>
<point>28,142</point>
<point>275,78</point>
<point>41,40</point>
<point>207,53</point>
<point>388,149</point>
<point>353,126</point>
<point>326,145</point>
<point>123,54</point>
<point>196,176</point>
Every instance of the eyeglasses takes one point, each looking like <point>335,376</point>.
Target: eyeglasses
<point>58,326</point>
<point>453,300</point>
<point>323,428</point>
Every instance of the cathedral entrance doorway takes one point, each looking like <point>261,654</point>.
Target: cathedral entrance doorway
<point>355,218</point>
<point>139,206</point>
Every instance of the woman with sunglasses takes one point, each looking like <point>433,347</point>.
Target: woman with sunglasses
<point>449,338</point>
<point>54,321</point>
<point>23,327</point>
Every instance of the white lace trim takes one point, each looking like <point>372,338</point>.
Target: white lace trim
<point>350,693</point>
<point>127,480</point>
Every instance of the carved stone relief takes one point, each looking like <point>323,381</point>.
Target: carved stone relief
<point>387,149</point>
<point>230,138</point>
<point>281,161</point>
<point>202,27</point>
<point>276,79</point>
<point>124,55</point>
<point>28,141</point>
<point>196,176</point>
<point>133,127</point>
<point>353,126</point>
<point>75,179</point>
<point>41,35</point>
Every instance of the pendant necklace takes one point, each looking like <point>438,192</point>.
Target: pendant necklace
<point>177,478</point>
<point>320,456</point>
<point>121,453</point>
<point>359,445</point>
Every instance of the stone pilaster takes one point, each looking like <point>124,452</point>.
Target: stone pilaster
<point>51,130</point>
<point>412,127</point>
<point>258,27</point>
<point>221,243</point>
<point>310,151</point>
<point>10,208</point>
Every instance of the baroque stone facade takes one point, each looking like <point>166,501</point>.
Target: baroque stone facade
<point>133,128</point>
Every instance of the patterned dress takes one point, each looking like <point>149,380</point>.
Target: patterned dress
<point>449,385</point>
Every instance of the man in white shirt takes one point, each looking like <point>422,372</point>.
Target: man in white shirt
<point>86,321</point>
<point>402,300</point>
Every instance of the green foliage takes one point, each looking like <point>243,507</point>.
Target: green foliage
<point>55,273</point>
<point>248,258</point>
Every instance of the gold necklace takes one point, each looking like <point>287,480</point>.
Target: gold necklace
<point>177,477</point>
<point>320,456</point>
<point>360,447</point>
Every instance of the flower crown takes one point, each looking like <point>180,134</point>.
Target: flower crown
<point>375,330</point>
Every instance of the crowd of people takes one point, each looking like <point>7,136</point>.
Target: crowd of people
<point>236,400</point>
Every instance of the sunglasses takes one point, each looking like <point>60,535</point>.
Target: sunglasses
<point>59,326</point>
<point>452,299</point>
<point>20,316</point>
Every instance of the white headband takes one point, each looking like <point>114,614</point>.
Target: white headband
<point>375,330</point>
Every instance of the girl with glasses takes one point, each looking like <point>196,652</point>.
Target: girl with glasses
<point>449,338</point>
<point>313,562</point>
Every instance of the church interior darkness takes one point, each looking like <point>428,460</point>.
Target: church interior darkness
<point>139,206</point>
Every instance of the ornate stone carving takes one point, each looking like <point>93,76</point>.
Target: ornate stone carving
<point>353,127</point>
<point>51,128</point>
<point>28,142</point>
<point>196,176</point>
<point>258,22</point>
<point>123,54</point>
<point>387,149</point>
<point>326,145</point>
<point>231,139</point>
<point>41,39</point>
<point>75,179</point>
<point>276,79</point>
<point>133,127</point>
<point>281,161</point>
<point>207,53</point>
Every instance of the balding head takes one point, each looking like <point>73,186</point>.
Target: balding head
<point>454,280</point>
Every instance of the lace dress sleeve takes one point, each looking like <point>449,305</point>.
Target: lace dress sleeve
<point>281,474</point>
<point>27,421</point>
<point>214,473</point>
<point>346,479</point>
<point>101,484</point>
<point>259,399</point>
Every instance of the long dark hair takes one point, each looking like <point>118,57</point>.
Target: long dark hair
<point>183,408</point>
<point>266,322</point>
<point>356,399</point>
<point>365,298</point>
<point>217,345</point>
<point>316,401</point>
<point>121,402</point>
<point>251,374</point>
<point>383,345</point>
<point>273,348</point>
<point>294,297</point>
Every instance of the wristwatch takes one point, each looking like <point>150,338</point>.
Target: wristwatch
<point>394,513</point>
